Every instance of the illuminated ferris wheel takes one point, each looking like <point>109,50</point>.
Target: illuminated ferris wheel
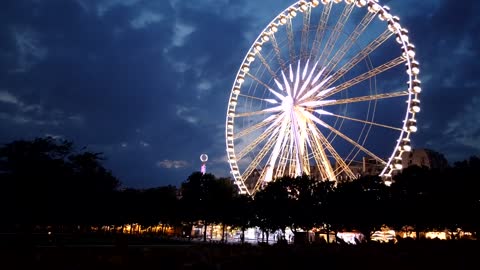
<point>327,88</point>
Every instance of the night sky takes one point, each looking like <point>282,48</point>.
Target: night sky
<point>147,82</point>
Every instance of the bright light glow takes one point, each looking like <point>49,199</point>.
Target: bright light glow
<point>361,3</point>
<point>407,148</point>
<point>398,166</point>
<point>383,236</point>
<point>351,237</point>
<point>439,235</point>
<point>416,108</point>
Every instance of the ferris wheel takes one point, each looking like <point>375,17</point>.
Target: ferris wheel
<point>328,88</point>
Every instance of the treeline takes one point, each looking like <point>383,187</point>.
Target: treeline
<point>48,182</point>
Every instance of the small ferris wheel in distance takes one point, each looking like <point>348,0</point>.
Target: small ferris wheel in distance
<point>325,86</point>
<point>203,159</point>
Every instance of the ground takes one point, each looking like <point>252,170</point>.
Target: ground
<point>168,254</point>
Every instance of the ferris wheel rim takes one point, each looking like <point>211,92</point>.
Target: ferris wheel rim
<point>409,122</point>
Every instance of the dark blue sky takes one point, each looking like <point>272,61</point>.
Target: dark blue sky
<point>147,82</point>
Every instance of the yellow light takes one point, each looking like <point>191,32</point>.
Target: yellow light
<point>240,79</point>
<point>303,7</point>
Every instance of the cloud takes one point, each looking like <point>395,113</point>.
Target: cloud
<point>24,113</point>
<point>6,97</point>
<point>30,50</point>
<point>53,136</point>
<point>145,18</point>
<point>203,88</point>
<point>186,114</point>
<point>172,164</point>
<point>181,33</point>
<point>106,5</point>
<point>24,119</point>
<point>464,128</point>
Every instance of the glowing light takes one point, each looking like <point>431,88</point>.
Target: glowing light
<point>405,145</point>
<point>292,13</point>
<point>415,106</point>
<point>303,6</point>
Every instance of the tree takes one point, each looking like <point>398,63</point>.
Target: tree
<point>207,198</point>
<point>242,213</point>
<point>272,206</point>
<point>48,182</point>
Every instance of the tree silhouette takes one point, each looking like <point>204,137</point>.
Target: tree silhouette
<point>53,184</point>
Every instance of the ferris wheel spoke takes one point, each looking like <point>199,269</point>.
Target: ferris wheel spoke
<point>334,154</point>
<point>291,42</point>
<point>361,27</point>
<point>323,163</point>
<point>365,76</point>
<point>260,156</point>
<point>372,46</point>
<point>278,54</point>
<point>253,128</point>
<point>262,83</point>
<point>283,158</point>
<point>321,29</point>
<point>276,152</point>
<point>306,159</point>
<point>303,135</point>
<point>297,142</point>
<point>248,114</point>
<point>269,100</point>
<point>337,30</point>
<point>322,112</point>
<point>255,143</point>
<point>266,65</point>
<point>305,31</point>
<point>363,98</point>
<point>345,137</point>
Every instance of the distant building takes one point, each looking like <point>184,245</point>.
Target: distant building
<point>424,158</point>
